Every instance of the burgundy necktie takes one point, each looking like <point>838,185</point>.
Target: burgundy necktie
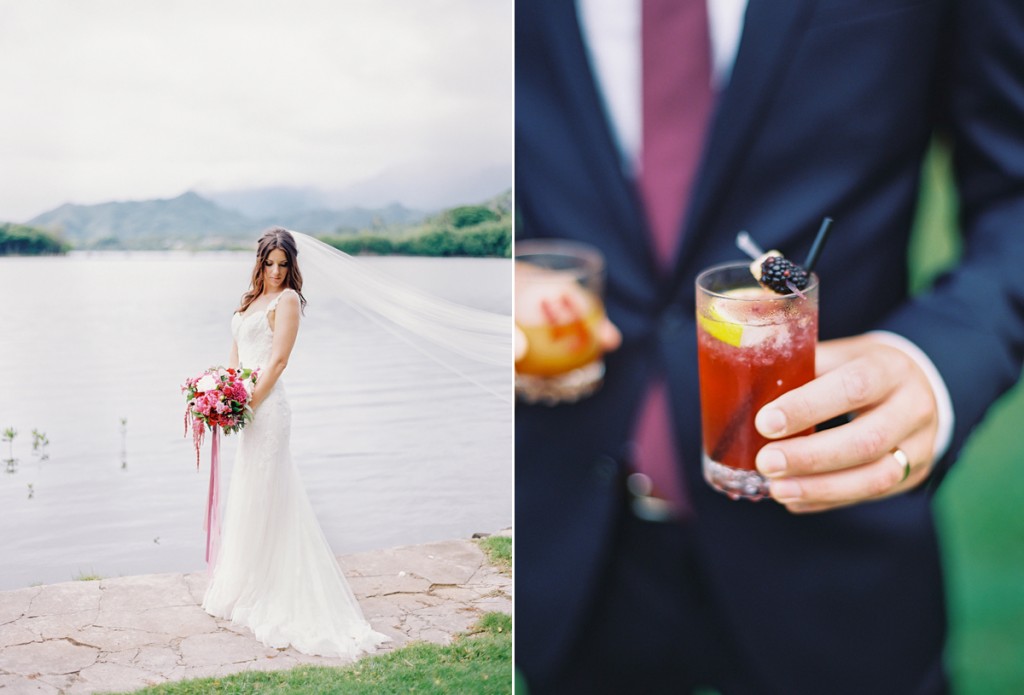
<point>677,102</point>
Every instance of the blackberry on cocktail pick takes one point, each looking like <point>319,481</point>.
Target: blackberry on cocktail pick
<point>782,275</point>
<point>779,274</point>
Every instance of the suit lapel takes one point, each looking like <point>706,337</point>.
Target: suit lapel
<point>572,66</point>
<point>770,36</point>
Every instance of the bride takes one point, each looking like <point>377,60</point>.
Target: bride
<point>275,572</point>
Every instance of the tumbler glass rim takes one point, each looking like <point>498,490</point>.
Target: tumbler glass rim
<point>589,260</point>
<point>812,284</point>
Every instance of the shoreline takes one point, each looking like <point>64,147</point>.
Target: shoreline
<point>88,572</point>
<point>125,633</point>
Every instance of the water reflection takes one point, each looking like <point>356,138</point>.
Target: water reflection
<point>398,453</point>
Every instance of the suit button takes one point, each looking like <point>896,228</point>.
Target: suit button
<point>605,468</point>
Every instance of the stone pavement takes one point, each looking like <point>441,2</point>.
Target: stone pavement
<point>129,632</point>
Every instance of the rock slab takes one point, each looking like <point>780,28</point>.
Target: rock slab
<point>130,632</point>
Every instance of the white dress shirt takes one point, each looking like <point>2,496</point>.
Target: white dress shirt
<point>611,33</point>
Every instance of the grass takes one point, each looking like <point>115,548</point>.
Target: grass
<point>478,662</point>
<point>499,551</point>
<point>86,577</point>
<point>977,508</point>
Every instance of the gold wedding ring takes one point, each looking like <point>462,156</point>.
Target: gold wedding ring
<point>901,458</point>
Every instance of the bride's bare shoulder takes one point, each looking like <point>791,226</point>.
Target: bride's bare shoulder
<point>289,299</point>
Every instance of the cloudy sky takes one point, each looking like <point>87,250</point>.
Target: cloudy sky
<point>135,99</point>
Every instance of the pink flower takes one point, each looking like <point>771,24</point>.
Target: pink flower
<point>207,403</point>
<point>239,393</point>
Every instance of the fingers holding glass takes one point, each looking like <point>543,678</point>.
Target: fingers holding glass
<point>885,476</point>
<point>854,462</point>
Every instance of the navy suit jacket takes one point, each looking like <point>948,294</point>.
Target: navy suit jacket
<point>829,110</point>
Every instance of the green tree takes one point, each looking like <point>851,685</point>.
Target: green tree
<point>21,240</point>
<point>468,230</point>
<point>470,215</point>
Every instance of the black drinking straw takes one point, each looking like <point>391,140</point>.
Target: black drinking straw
<point>819,243</point>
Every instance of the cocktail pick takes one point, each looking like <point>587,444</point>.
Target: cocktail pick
<point>818,245</point>
<point>746,244</point>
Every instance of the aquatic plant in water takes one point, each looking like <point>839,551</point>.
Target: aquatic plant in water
<point>124,442</point>
<point>39,443</point>
<point>8,436</point>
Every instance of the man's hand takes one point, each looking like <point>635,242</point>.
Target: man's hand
<point>557,300</point>
<point>893,405</point>
<point>608,336</point>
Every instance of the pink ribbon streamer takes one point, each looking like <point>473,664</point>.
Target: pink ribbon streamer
<point>212,523</point>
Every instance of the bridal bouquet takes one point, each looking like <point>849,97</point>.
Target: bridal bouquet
<point>218,397</point>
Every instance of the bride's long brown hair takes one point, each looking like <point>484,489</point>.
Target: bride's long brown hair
<point>274,238</point>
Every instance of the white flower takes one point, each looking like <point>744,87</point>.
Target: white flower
<point>206,383</point>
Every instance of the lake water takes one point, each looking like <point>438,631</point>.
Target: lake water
<point>393,449</point>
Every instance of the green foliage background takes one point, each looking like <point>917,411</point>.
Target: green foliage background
<point>469,230</point>
<point>981,527</point>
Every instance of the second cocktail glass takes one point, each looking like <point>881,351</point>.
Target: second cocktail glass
<point>559,284</point>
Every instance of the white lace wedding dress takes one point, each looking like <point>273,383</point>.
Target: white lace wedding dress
<point>276,573</point>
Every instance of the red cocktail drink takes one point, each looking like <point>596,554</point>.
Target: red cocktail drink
<point>753,345</point>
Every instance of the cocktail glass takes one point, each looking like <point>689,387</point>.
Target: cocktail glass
<point>558,309</point>
<point>753,345</point>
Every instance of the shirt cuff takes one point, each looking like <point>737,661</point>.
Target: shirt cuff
<point>943,402</point>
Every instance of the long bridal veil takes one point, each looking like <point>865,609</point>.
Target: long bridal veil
<point>415,389</point>
<point>447,332</point>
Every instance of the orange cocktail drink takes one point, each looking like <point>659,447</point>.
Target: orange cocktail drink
<point>558,312</point>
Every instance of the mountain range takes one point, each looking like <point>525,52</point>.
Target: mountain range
<point>212,219</point>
